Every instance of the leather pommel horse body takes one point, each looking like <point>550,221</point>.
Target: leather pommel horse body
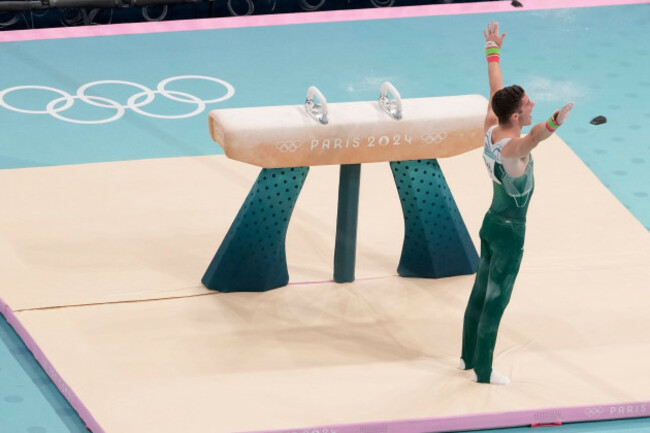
<point>286,140</point>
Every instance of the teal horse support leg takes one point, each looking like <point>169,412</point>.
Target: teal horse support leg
<point>252,256</point>
<point>436,241</point>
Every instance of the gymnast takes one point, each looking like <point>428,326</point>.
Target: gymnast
<point>510,165</point>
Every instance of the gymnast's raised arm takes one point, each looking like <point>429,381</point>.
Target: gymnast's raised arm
<point>493,44</point>
<point>519,148</point>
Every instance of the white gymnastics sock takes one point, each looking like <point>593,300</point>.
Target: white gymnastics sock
<point>496,378</point>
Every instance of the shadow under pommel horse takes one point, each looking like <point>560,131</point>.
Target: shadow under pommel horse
<point>286,140</point>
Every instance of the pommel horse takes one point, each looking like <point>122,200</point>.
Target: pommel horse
<point>286,140</point>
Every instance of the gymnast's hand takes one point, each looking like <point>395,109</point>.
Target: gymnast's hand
<point>561,115</point>
<point>492,34</point>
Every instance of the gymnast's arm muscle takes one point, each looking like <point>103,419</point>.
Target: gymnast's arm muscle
<point>494,72</point>
<point>516,153</point>
<point>496,83</point>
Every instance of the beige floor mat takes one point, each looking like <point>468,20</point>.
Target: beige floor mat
<point>102,264</point>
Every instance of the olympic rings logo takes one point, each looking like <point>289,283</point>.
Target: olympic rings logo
<point>288,145</point>
<point>434,138</point>
<point>594,411</point>
<point>143,97</point>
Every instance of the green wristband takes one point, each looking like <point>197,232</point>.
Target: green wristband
<point>551,125</point>
<point>492,54</point>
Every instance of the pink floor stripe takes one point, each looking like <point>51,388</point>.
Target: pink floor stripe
<point>302,18</point>
<point>56,378</point>
<point>533,418</point>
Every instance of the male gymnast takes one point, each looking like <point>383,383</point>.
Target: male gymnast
<point>510,165</point>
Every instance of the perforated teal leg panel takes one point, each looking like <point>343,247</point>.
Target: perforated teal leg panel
<point>436,242</point>
<point>252,256</point>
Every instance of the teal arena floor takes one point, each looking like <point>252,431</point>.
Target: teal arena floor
<point>597,57</point>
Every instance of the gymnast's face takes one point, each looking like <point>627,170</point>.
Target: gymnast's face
<point>525,116</point>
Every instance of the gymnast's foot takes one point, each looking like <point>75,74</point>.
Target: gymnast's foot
<point>462,366</point>
<point>496,378</point>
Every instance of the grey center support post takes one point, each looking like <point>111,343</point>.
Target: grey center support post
<point>347,217</point>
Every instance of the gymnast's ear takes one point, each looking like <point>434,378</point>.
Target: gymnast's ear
<point>514,116</point>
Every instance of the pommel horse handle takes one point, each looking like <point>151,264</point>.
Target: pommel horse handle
<point>317,111</point>
<point>285,141</point>
<point>392,107</point>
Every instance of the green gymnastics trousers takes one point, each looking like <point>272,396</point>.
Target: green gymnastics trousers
<point>502,242</point>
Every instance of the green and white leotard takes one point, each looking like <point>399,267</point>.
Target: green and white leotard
<point>502,241</point>
<point>511,195</point>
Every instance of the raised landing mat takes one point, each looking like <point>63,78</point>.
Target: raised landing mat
<point>381,349</point>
